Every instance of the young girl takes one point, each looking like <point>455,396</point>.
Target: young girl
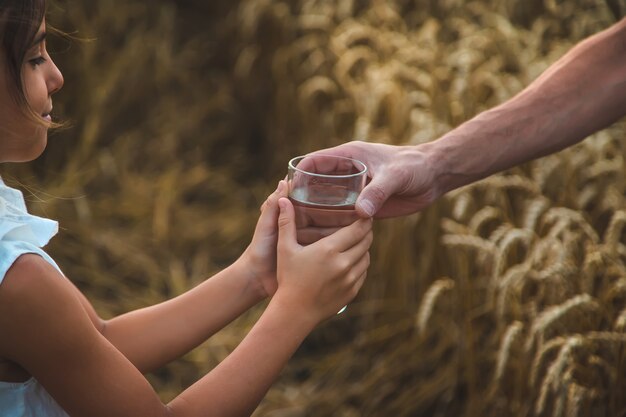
<point>58,358</point>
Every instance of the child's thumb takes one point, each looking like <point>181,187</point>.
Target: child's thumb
<point>286,223</point>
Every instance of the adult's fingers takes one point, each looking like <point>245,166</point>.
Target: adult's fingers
<point>383,183</point>
<point>327,165</point>
<point>352,149</point>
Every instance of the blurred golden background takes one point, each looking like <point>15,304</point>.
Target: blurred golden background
<point>506,298</point>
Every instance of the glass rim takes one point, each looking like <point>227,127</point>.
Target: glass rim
<point>295,168</point>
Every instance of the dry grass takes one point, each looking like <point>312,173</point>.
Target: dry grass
<point>506,298</point>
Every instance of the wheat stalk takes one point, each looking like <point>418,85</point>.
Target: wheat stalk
<point>534,211</point>
<point>565,218</point>
<point>482,245</point>
<point>552,380</point>
<point>482,217</point>
<point>562,316</point>
<point>620,322</point>
<point>500,232</point>
<point>613,232</point>
<point>425,312</point>
<point>506,245</point>
<point>509,340</point>
<point>509,282</point>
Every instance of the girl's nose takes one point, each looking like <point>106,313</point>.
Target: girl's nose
<point>55,79</point>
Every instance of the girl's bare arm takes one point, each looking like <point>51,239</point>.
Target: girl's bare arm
<point>153,336</point>
<point>53,338</point>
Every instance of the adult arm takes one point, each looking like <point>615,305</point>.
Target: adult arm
<point>581,93</point>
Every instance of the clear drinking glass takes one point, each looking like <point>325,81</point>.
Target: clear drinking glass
<point>324,190</point>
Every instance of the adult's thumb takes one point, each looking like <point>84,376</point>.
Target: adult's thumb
<point>374,195</point>
<point>286,223</point>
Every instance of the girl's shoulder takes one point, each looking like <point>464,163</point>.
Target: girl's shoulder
<point>11,251</point>
<point>20,231</point>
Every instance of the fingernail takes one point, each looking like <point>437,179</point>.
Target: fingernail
<point>281,185</point>
<point>281,205</point>
<point>367,207</point>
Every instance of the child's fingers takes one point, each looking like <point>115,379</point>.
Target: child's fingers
<point>361,265</point>
<point>356,252</point>
<point>358,275</point>
<point>269,210</point>
<point>308,235</point>
<point>286,226</point>
<point>349,236</point>
<point>358,283</point>
<point>281,191</point>
<point>355,260</point>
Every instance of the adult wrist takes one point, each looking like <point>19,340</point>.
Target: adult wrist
<point>435,163</point>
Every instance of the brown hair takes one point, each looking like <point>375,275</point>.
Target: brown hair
<point>19,23</point>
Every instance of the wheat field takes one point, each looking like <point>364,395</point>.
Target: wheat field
<point>505,298</point>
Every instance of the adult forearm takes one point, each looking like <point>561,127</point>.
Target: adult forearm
<point>154,336</point>
<point>237,385</point>
<point>581,93</point>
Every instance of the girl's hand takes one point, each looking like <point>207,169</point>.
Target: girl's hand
<point>319,279</point>
<point>259,257</point>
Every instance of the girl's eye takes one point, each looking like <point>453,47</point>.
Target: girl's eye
<point>37,61</point>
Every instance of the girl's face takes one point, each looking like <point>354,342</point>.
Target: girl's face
<point>22,138</point>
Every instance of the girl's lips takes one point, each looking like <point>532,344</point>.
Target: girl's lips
<point>47,115</point>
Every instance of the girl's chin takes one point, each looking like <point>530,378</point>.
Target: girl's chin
<point>25,146</point>
<point>37,149</point>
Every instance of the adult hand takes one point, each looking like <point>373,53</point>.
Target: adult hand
<point>401,178</point>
